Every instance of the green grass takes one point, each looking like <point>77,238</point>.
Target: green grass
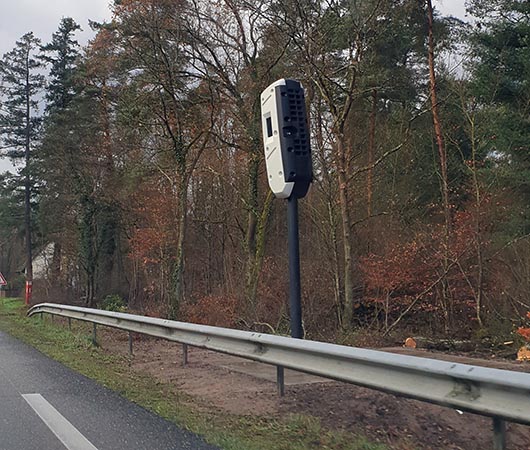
<point>230,432</point>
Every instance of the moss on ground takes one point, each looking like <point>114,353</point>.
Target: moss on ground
<point>230,432</point>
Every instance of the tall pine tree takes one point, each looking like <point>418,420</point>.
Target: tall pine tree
<point>19,122</point>
<point>62,55</point>
<point>501,84</point>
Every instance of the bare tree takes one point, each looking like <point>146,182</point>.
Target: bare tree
<point>151,33</point>
<point>334,43</point>
<point>226,41</point>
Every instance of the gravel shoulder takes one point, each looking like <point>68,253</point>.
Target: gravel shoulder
<point>399,423</point>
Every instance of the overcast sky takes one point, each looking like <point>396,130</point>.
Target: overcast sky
<point>17,17</point>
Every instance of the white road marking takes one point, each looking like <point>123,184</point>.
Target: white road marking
<point>71,438</point>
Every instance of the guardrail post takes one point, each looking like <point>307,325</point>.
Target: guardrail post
<point>130,344</point>
<point>69,324</point>
<point>499,434</point>
<point>51,318</point>
<point>280,380</point>
<point>184,355</point>
<point>94,335</point>
<point>41,317</point>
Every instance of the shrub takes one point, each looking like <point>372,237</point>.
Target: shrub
<point>525,331</point>
<point>113,303</point>
<point>219,311</point>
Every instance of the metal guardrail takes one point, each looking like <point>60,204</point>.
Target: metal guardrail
<point>501,394</point>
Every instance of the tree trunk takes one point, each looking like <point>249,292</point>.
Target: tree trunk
<point>371,152</point>
<point>56,264</point>
<point>336,264</point>
<point>328,184</point>
<point>477,223</point>
<point>442,154</point>
<point>440,344</point>
<point>27,182</point>
<point>91,290</point>
<point>255,270</point>
<point>88,249</point>
<point>346,233</point>
<point>436,120</point>
<point>177,293</point>
<point>250,238</point>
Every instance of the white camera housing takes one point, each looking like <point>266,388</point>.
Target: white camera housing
<point>286,139</point>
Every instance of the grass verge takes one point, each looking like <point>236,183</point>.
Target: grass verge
<point>230,432</point>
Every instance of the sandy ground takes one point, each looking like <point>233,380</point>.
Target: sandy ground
<point>246,388</point>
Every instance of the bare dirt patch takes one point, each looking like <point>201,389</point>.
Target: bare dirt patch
<point>217,380</point>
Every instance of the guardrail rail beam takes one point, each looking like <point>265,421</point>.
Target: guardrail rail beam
<point>500,394</point>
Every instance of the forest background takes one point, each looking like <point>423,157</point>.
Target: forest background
<point>142,179</point>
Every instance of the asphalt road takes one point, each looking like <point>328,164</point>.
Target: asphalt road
<point>46,406</point>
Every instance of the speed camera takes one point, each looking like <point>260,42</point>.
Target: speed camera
<point>286,139</point>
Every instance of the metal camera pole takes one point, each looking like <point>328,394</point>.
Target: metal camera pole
<point>289,171</point>
<point>294,269</point>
